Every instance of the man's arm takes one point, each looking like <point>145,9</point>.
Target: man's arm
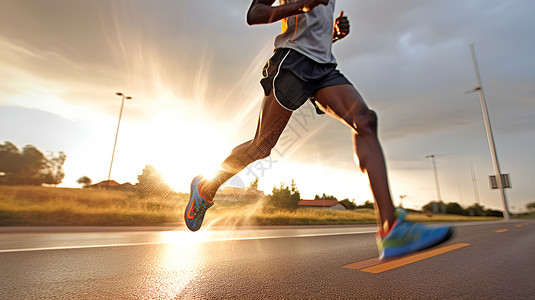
<point>261,11</point>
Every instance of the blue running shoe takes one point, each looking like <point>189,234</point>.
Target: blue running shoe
<point>406,237</point>
<point>197,206</point>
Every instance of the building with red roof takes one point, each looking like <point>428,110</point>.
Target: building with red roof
<point>322,204</point>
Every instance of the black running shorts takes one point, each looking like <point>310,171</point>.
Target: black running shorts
<point>295,78</point>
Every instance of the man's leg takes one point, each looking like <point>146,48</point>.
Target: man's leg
<point>271,123</point>
<point>344,103</point>
<point>397,236</point>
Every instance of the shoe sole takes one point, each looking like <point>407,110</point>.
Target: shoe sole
<point>190,203</point>
<point>449,234</point>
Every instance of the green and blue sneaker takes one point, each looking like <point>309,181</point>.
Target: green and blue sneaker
<point>405,237</point>
<point>197,205</point>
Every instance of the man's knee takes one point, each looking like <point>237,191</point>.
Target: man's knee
<point>366,123</point>
<point>259,150</point>
<point>263,152</point>
<point>372,119</point>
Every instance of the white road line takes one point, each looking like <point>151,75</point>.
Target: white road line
<point>170,243</point>
<point>74,247</point>
<point>361,231</point>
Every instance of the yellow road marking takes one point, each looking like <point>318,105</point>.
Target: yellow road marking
<point>376,266</point>
<point>363,264</point>
<point>518,226</point>
<point>501,230</point>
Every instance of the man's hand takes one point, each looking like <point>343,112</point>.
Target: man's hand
<point>341,27</point>
<point>310,4</point>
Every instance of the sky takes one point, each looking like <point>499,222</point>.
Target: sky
<point>193,71</point>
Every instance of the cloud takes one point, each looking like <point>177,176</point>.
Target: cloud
<point>42,129</point>
<point>410,59</point>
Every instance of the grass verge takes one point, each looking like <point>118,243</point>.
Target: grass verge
<point>44,206</point>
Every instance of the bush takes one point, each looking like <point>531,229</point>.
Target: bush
<point>284,197</point>
<point>151,183</point>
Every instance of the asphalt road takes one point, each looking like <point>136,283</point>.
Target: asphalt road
<point>491,260</point>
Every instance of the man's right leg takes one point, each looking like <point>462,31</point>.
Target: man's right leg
<point>271,123</point>
<point>396,236</point>
<point>344,103</point>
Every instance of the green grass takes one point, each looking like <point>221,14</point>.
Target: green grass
<point>45,206</point>
<point>529,215</point>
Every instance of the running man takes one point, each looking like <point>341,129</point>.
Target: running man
<point>303,68</point>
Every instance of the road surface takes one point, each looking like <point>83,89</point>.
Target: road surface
<point>485,260</point>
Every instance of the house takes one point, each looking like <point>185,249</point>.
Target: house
<point>112,185</point>
<point>105,184</point>
<point>322,204</point>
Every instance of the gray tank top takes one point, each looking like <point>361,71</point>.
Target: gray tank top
<point>309,33</point>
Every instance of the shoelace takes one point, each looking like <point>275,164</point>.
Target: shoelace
<point>198,210</point>
<point>412,230</point>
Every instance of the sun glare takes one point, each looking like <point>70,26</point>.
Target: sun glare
<point>184,146</point>
<point>177,265</point>
<point>196,151</point>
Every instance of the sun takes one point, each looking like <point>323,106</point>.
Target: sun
<point>188,146</point>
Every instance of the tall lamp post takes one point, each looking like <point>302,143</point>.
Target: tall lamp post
<point>486,119</point>
<point>436,176</point>
<point>118,124</point>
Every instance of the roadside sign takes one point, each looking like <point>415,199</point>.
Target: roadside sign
<point>506,181</point>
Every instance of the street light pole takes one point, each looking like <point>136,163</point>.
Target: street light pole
<point>486,119</point>
<point>474,183</point>
<point>118,124</point>
<point>436,176</point>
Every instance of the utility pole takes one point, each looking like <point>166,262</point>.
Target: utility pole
<point>474,183</point>
<point>118,124</point>
<point>490,137</point>
<point>432,156</point>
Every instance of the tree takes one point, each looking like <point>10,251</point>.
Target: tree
<point>84,181</point>
<point>476,210</point>
<point>367,204</point>
<point>295,196</point>
<point>9,162</point>
<point>151,183</point>
<point>348,204</point>
<point>253,186</point>
<point>325,197</point>
<point>285,197</point>
<point>435,207</point>
<point>454,208</point>
<point>493,213</point>
<point>32,166</point>
<point>29,166</point>
<point>55,174</point>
